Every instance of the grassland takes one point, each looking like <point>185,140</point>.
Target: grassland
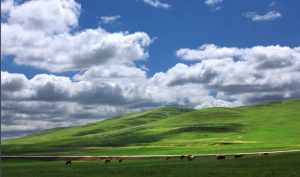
<point>269,126</point>
<point>285,165</point>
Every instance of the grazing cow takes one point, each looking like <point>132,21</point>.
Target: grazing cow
<point>264,153</point>
<point>107,160</point>
<point>220,157</point>
<point>239,155</point>
<point>189,156</point>
<point>182,157</point>
<point>68,162</point>
<point>192,158</point>
<point>120,160</point>
<point>168,157</point>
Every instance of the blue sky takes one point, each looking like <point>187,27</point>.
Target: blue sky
<point>66,63</point>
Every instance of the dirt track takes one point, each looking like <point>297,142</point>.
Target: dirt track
<point>98,158</point>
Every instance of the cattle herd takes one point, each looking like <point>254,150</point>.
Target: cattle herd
<point>189,157</point>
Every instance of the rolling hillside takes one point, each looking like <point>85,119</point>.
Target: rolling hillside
<point>268,126</point>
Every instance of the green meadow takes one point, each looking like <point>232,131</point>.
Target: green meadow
<point>269,126</point>
<point>285,165</point>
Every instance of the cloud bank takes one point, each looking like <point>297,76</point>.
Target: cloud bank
<point>249,75</point>
<point>238,76</point>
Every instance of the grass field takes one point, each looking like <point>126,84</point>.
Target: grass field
<point>285,165</point>
<point>269,126</point>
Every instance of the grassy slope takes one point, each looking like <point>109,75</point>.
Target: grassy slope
<point>284,165</point>
<point>261,127</point>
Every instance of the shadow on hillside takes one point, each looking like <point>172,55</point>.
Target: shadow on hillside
<point>266,104</point>
<point>89,132</point>
<point>211,128</point>
<point>154,116</point>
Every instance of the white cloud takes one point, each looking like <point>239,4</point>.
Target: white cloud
<point>48,16</point>
<point>273,3</point>
<point>212,2</point>
<point>297,49</point>
<point>257,53</point>
<point>207,51</point>
<point>109,19</point>
<point>269,16</point>
<point>143,67</point>
<point>157,3</point>
<point>249,75</point>
<point>44,41</point>
<point>6,6</point>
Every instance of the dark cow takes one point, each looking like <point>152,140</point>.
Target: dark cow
<point>182,157</point>
<point>239,155</point>
<point>120,160</point>
<point>264,153</point>
<point>220,157</point>
<point>107,160</point>
<point>168,157</point>
<point>68,162</point>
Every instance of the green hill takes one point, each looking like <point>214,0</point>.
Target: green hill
<point>268,126</point>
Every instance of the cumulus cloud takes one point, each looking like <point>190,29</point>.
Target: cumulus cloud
<point>45,87</point>
<point>111,72</point>
<point>90,91</point>
<point>270,56</point>
<point>157,3</point>
<point>109,19</point>
<point>269,16</point>
<point>39,34</point>
<point>212,2</point>
<point>48,16</point>
<point>249,75</point>
<point>207,51</point>
<point>6,6</point>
